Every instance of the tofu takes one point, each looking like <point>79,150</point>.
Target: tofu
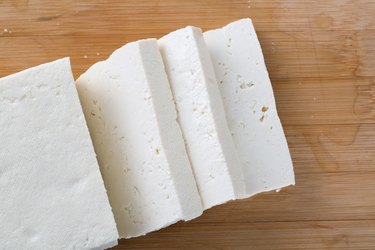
<point>210,147</point>
<point>52,193</point>
<point>132,120</point>
<point>250,107</point>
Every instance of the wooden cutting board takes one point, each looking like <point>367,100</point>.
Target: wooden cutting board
<point>321,61</point>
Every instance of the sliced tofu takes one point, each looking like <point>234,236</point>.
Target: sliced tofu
<point>201,115</point>
<point>52,193</point>
<point>250,106</point>
<point>132,120</point>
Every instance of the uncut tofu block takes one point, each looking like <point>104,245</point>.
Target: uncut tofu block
<point>132,120</point>
<point>52,193</point>
<point>250,106</point>
<point>201,115</point>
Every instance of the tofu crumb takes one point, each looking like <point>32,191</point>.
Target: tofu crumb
<point>5,30</point>
<point>85,56</point>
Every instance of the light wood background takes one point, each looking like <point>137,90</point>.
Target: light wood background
<point>321,61</point>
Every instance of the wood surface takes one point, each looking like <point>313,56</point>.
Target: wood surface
<point>321,62</point>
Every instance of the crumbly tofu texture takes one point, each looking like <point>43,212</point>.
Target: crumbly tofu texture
<point>250,106</point>
<point>201,115</point>
<point>52,193</point>
<point>132,120</point>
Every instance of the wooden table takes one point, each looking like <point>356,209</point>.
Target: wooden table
<point>322,65</point>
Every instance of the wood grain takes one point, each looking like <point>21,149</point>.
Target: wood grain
<point>321,60</point>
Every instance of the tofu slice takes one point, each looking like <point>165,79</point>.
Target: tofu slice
<point>52,193</point>
<point>132,120</point>
<point>250,106</point>
<point>201,115</point>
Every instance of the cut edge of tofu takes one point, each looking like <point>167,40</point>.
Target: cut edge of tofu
<point>237,183</point>
<point>229,150</point>
<point>194,200</point>
<point>190,201</point>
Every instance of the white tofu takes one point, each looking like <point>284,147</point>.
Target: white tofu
<point>52,193</point>
<point>132,120</point>
<point>201,115</point>
<point>250,106</point>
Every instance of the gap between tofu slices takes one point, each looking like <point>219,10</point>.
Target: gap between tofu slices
<point>250,107</point>
<point>132,120</point>
<point>52,193</point>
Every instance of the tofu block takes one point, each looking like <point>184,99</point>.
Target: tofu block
<point>212,153</point>
<point>132,120</point>
<point>52,193</point>
<point>250,107</point>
